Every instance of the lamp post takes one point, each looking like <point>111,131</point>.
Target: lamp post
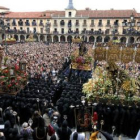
<point>131,25</point>
<point>3,28</point>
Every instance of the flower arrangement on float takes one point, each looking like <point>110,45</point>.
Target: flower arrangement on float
<point>12,78</point>
<point>103,84</point>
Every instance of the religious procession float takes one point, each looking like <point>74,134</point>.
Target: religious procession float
<point>13,77</point>
<point>116,76</point>
<point>8,41</point>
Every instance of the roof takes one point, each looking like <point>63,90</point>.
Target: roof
<point>4,8</point>
<point>28,15</point>
<point>106,13</point>
<point>79,13</point>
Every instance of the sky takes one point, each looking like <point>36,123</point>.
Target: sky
<point>42,5</point>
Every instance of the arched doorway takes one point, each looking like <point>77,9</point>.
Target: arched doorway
<point>55,38</point>
<point>131,39</point>
<point>138,40</point>
<point>16,37</point>
<point>27,36</point>
<point>35,37</point>
<point>69,38</point>
<point>99,39</point>
<point>123,40</point>
<point>22,38</point>
<point>91,39</point>
<point>115,38</point>
<point>107,39</point>
<point>62,38</point>
<point>49,38</point>
<point>84,38</point>
<point>42,38</point>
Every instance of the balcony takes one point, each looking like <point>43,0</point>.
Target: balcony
<point>138,24</point>
<point>14,24</point>
<point>108,25</point>
<point>41,24</point>
<point>124,24</point>
<point>116,25</point>
<point>76,32</point>
<point>55,25</point>
<point>84,25</point>
<point>131,24</point>
<point>69,25</point>
<point>21,31</point>
<point>92,25</point>
<point>27,24</point>
<point>20,23</point>
<point>100,25</point>
<point>34,24</point>
<point>77,24</point>
<point>55,32</point>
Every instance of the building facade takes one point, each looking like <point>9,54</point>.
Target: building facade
<point>63,26</point>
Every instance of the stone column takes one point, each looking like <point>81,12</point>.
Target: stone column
<point>58,38</point>
<point>52,38</point>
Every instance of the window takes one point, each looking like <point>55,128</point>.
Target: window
<point>85,22</point>
<point>28,30</point>
<point>62,30</point>
<point>69,23</point>
<point>55,29</point>
<point>34,30</point>
<point>116,22</point>
<point>92,22</point>
<point>108,22</point>
<point>21,28</point>
<point>100,23</point>
<point>41,30</point>
<point>69,14</point>
<point>77,22</point>
<point>62,23</point>
<point>55,22</point>
<point>77,30</point>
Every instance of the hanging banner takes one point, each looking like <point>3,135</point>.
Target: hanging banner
<point>100,54</point>
<point>127,55</point>
<point>137,56</point>
<point>113,54</point>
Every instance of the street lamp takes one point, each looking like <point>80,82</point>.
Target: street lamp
<point>3,28</point>
<point>131,24</point>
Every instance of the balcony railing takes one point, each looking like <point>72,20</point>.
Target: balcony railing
<point>69,25</point>
<point>100,25</point>
<point>14,24</point>
<point>84,24</point>
<point>27,24</point>
<point>76,24</point>
<point>55,24</point>
<point>108,25</point>
<point>34,24</point>
<point>92,25</point>
<point>41,24</point>
<point>55,32</point>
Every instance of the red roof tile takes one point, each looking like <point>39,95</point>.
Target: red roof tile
<point>106,13</point>
<point>79,13</point>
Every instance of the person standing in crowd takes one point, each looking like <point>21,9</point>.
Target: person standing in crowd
<point>64,132</point>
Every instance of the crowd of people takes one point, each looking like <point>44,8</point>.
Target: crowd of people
<point>44,108</point>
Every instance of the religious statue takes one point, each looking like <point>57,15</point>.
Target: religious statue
<point>82,49</point>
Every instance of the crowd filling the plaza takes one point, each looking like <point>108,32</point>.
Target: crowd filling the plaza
<point>67,93</point>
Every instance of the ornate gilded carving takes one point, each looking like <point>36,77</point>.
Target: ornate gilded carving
<point>100,54</point>
<point>127,55</point>
<point>137,56</point>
